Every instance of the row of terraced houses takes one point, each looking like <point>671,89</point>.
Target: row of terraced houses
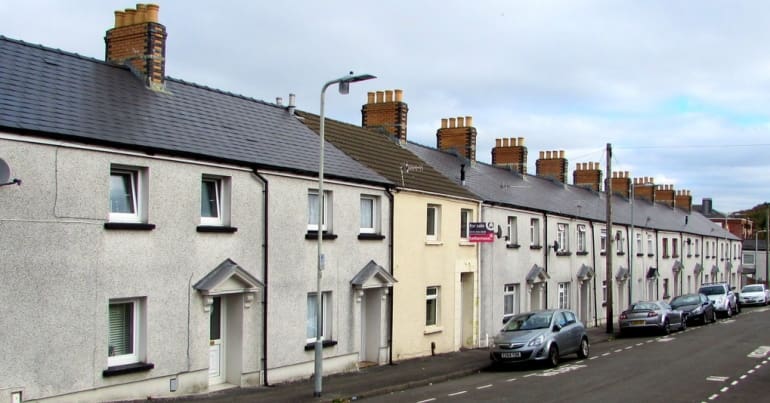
<point>164,238</point>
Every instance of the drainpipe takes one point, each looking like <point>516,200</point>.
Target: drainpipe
<point>265,261</point>
<point>545,238</point>
<point>593,254</point>
<point>389,193</point>
<point>657,265</point>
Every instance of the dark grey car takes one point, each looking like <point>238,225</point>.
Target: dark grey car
<point>651,315</point>
<point>698,308</point>
<point>540,336</point>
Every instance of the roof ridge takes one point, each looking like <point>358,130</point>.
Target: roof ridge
<point>56,50</point>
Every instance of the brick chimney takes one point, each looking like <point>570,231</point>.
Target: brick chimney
<point>587,175</point>
<point>386,109</point>
<point>683,200</point>
<point>552,164</point>
<point>644,188</point>
<point>621,184</point>
<point>458,134</point>
<point>664,194</point>
<point>510,153</point>
<point>139,41</point>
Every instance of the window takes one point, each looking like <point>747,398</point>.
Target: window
<point>512,237</point>
<point>689,247</point>
<point>708,249</point>
<point>581,238</point>
<point>431,306</point>
<point>312,205</point>
<point>665,288</point>
<point>562,237</point>
<point>665,247</point>
<point>650,245</point>
<point>510,300</point>
<point>127,195</point>
<point>369,214</point>
<point>215,200</point>
<point>603,240</point>
<point>125,339</point>
<point>639,242</point>
<point>604,292</point>
<point>563,295</point>
<point>433,220</point>
<point>312,316</point>
<point>465,219</point>
<point>534,232</point>
<point>674,247</point>
<point>748,258</point>
<point>697,247</point>
<point>620,241</point>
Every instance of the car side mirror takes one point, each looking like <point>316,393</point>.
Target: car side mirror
<point>556,327</point>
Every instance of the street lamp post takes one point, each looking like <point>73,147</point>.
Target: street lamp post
<point>344,87</point>
<point>756,254</point>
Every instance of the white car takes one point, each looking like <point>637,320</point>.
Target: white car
<point>754,294</point>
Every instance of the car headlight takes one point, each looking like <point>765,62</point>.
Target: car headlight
<point>537,341</point>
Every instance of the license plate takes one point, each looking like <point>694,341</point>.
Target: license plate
<point>638,323</point>
<point>514,354</point>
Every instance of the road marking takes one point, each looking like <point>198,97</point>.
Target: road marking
<point>757,366</point>
<point>760,352</point>
<point>528,375</point>
<point>650,341</point>
<point>620,350</point>
<point>742,377</point>
<point>560,370</point>
<point>726,321</point>
<point>751,371</point>
<point>605,354</point>
<point>639,344</point>
<point>510,380</point>
<point>427,400</point>
<point>725,389</point>
<point>665,339</point>
<point>458,393</point>
<point>714,396</point>
<point>593,358</point>
<point>715,378</point>
<point>579,362</point>
<point>484,386</point>
<point>629,347</point>
<point>733,383</point>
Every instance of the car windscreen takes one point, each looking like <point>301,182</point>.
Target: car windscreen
<point>528,321</point>
<point>685,300</point>
<point>644,306</point>
<point>752,288</point>
<point>713,290</point>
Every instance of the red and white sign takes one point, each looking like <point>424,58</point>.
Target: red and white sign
<point>481,232</point>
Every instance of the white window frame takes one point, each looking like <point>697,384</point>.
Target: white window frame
<point>466,216</point>
<point>697,247</point>
<point>564,297</point>
<point>512,231</point>
<point>312,197</point>
<point>374,213</point>
<point>432,302</point>
<point>638,236</point>
<point>664,245</point>
<point>562,237</point>
<point>674,247</point>
<point>604,292</point>
<point>222,199</point>
<point>603,240</point>
<point>432,232</point>
<point>326,318</point>
<point>748,258</point>
<point>137,330</point>
<point>650,245</point>
<point>620,242</point>
<point>534,232</point>
<point>581,238</point>
<point>511,300</point>
<point>137,181</point>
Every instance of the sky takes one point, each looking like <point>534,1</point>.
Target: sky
<point>679,89</point>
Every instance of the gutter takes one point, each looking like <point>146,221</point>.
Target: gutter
<point>266,271</point>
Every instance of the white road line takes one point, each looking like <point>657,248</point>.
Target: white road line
<point>639,344</point>
<point>751,371</point>
<point>742,377</point>
<point>458,393</point>
<point>757,366</point>
<point>528,375</point>
<point>714,396</point>
<point>715,378</point>
<point>510,380</point>
<point>427,400</point>
<point>605,354</point>
<point>733,383</point>
<point>593,358</point>
<point>725,389</point>
<point>629,347</point>
<point>649,341</point>
<point>484,386</point>
<point>619,350</point>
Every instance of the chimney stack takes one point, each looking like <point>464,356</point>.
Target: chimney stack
<point>664,194</point>
<point>683,200</point>
<point>644,189</point>
<point>459,135</point>
<point>552,164</point>
<point>139,41</point>
<point>386,109</point>
<point>510,153</point>
<point>587,175</point>
<point>621,184</point>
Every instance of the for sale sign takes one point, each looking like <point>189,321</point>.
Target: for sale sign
<point>481,231</point>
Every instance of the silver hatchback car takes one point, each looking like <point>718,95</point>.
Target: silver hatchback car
<point>540,336</point>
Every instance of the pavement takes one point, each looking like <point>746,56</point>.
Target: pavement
<point>374,380</point>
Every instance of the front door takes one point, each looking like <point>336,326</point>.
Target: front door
<point>216,345</point>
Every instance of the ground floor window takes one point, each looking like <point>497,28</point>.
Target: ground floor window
<point>511,300</point>
<point>312,316</point>
<point>564,296</point>
<point>125,336</point>
<point>431,306</point>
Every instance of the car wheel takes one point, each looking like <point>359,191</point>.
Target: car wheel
<point>666,328</point>
<point>729,311</point>
<point>553,356</point>
<point>713,316</point>
<point>584,348</point>
<point>737,308</point>
<point>683,325</point>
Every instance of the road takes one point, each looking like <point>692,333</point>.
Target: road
<point>722,362</point>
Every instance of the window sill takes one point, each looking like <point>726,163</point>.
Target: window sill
<point>433,243</point>
<point>697,255</point>
<point>512,246</point>
<point>675,256</point>
<point>127,369</point>
<point>324,235</point>
<point>536,246</point>
<point>433,330</point>
<point>216,229</point>
<point>324,344</point>
<point>639,254</point>
<point>466,243</point>
<point>564,253</point>
<point>621,253</point>
<point>133,226</point>
<point>689,255</point>
<point>665,256</point>
<point>602,253</point>
<point>582,253</point>
<point>650,254</point>
<point>365,236</point>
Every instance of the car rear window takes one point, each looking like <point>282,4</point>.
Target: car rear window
<point>713,290</point>
<point>752,288</point>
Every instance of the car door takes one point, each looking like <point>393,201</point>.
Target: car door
<point>565,337</point>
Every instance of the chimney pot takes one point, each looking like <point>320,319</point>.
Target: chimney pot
<point>542,155</point>
<point>452,122</point>
<point>141,14</point>
<point>469,121</point>
<point>498,143</point>
<point>370,97</point>
<point>279,101</point>
<point>120,18</point>
<point>388,96</point>
<point>399,95</point>
<point>460,121</point>
<point>521,141</point>
<point>130,16</point>
<point>561,154</point>
<point>444,123</point>
<point>380,96</point>
<point>152,12</point>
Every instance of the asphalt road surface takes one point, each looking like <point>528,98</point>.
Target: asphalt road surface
<point>722,362</point>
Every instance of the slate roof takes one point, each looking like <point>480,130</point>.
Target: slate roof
<point>508,188</point>
<point>381,152</point>
<point>55,94</point>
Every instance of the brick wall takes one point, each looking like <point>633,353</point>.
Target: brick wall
<point>587,175</point>
<point>510,153</point>
<point>552,164</point>
<point>138,39</point>
<point>621,184</point>
<point>458,134</point>
<point>387,110</point>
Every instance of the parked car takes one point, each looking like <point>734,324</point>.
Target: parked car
<point>723,297</point>
<point>754,294</point>
<point>540,336</point>
<point>698,308</point>
<point>652,315</point>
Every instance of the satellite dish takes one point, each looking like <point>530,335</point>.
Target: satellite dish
<point>5,171</point>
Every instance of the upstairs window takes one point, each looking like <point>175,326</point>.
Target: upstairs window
<point>581,238</point>
<point>650,245</point>
<point>534,232</point>
<point>620,241</point>
<point>512,237</point>
<point>433,219</point>
<point>127,195</point>
<point>665,247</point>
<point>638,236</point>
<point>465,219</point>
<point>369,214</point>
<point>603,240</point>
<point>214,201</point>
<point>674,247</point>
<point>313,211</point>
<point>562,237</point>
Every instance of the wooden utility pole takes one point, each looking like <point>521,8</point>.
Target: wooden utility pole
<point>608,240</point>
